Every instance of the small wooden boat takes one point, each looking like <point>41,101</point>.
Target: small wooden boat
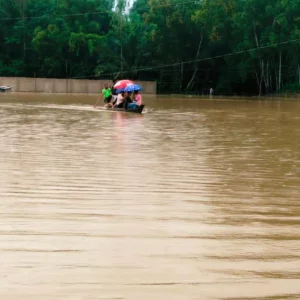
<point>4,88</point>
<point>137,110</point>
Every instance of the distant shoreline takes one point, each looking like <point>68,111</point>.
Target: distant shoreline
<point>65,86</point>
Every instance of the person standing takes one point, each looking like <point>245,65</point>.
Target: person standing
<point>106,94</point>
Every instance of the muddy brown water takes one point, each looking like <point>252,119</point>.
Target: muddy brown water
<point>194,199</point>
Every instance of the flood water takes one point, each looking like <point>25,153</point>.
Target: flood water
<point>194,199</point>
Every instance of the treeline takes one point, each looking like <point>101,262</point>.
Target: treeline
<point>234,46</point>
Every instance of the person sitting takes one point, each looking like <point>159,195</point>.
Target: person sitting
<point>137,100</point>
<point>114,92</point>
<point>120,101</point>
<point>127,99</point>
<point>115,100</point>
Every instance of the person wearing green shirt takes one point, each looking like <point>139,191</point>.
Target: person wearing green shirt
<point>107,95</point>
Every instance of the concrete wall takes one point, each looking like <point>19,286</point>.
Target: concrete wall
<point>71,86</point>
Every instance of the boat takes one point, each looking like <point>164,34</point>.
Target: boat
<point>137,110</point>
<point>4,88</point>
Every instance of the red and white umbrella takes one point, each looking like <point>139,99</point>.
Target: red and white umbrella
<point>122,84</point>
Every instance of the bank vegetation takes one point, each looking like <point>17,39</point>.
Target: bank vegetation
<point>235,46</point>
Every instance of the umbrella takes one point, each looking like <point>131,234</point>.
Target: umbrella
<point>118,91</point>
<point>122,84</point>
<point>132,87</point>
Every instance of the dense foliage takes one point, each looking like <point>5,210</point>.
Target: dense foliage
<point>234,46</point>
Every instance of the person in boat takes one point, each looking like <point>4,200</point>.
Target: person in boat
<point>106,94</point>
<point>137,100</point>
<point>120,100</point>
<point>114,92</point>
<point>128,99</point>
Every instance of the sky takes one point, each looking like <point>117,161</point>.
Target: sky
<point>130,2</point>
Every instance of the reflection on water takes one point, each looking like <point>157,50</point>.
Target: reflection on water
<point>195,199</point>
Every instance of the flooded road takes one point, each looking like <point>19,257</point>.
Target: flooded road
<point>194,199</point>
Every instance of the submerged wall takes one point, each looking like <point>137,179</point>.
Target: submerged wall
<point>65,86</point>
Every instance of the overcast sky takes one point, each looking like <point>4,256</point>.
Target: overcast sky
<point>130,2</point>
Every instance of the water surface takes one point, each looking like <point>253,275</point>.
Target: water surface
<point>194,199</point>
